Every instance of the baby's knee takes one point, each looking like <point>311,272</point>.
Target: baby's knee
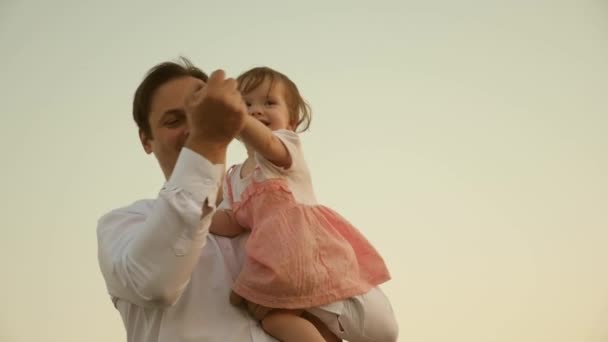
<point>271,323</point>
<point>278,319</point>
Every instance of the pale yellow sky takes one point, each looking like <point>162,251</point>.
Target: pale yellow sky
<point>467,140</point>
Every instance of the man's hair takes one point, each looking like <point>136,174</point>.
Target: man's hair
<point>300,113</point>
<point>156,77</point>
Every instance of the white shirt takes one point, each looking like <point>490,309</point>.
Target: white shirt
<point>167,276</point>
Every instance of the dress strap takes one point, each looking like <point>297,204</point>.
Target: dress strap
<point>256,173</point>
<point>229,175</point>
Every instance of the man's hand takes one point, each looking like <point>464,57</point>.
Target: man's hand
<point>216,115</point>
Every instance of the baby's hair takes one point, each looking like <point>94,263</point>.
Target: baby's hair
<point>300,113</point>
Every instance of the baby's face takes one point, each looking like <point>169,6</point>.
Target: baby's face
<point>267,104</point>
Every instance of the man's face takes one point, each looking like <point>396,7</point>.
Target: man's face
<point>169,122</point>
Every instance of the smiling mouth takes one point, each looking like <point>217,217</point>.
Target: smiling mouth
<point>265,122</point>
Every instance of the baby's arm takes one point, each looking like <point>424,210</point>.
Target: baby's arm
<point>260,137</point>
<point>224,224</point>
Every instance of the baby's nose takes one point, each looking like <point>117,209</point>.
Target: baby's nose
<point>255,111</point>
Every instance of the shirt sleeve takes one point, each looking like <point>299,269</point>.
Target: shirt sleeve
<point>147,257</point>
<point>291,141</point>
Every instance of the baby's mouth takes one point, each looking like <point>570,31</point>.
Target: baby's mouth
<point>265,122</point>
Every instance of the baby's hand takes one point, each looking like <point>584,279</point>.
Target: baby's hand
<point>224,224</point>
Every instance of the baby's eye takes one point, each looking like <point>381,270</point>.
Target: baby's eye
<point>248,103</point>
<point>270,103</point>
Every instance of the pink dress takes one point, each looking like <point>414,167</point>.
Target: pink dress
<point>299,254</point>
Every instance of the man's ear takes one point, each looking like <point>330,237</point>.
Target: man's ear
<point>145,141</point>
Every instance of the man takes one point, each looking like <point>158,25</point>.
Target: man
<point>167,276</point>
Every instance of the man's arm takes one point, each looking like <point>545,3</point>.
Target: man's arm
<point>148,259</point>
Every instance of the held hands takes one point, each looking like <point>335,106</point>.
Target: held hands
<point>216,112</point>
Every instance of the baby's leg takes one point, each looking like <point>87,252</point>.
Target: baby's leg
<point>368,317</point>
<point>290,326</point>
<point>260,312</point>
<point>323,329</point>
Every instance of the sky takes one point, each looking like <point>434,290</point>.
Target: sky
<point>466,139</point>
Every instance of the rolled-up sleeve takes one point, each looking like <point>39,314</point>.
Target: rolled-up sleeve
<point>147,257</point>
